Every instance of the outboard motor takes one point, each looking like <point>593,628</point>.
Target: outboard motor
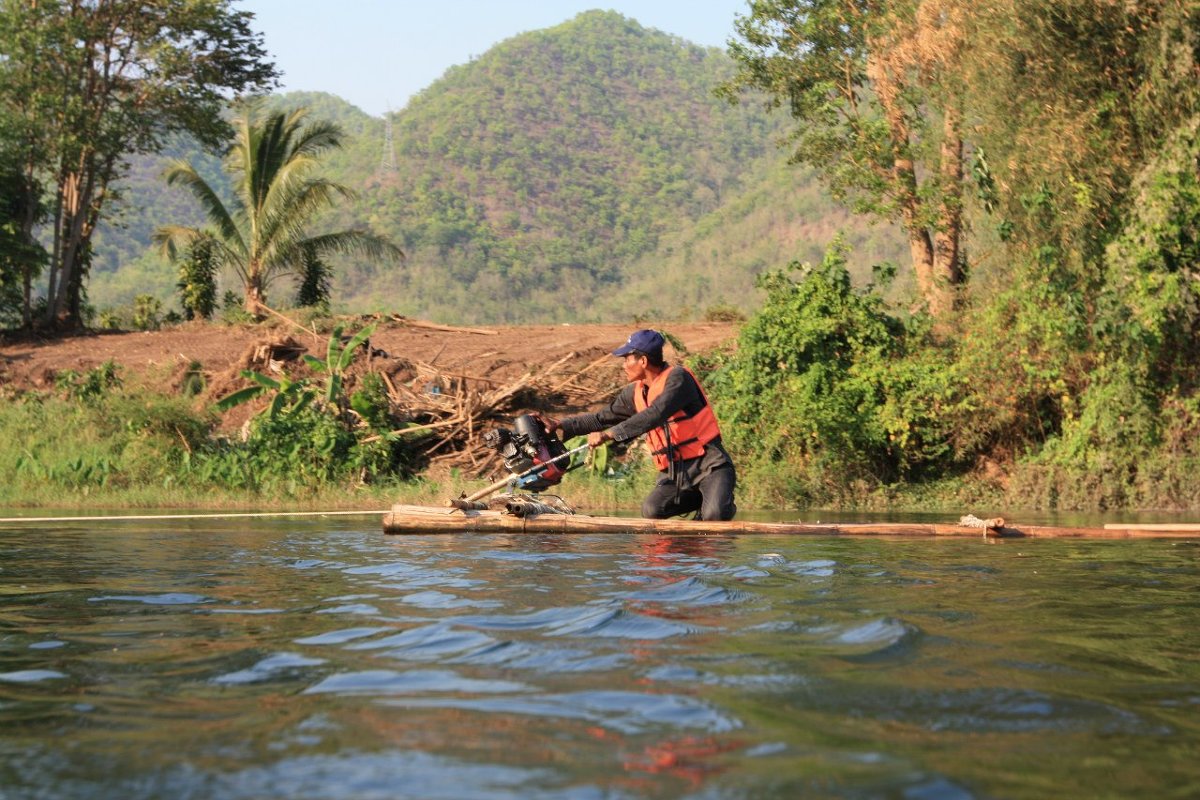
<point>525,448</point>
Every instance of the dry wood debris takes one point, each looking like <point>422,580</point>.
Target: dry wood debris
<point>450,409</point>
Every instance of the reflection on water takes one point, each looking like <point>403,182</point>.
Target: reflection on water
<point>321,659</point>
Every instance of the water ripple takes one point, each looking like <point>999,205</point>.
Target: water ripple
<point>341,636</point>
<point>167,599</point>
<point>413,576</point>
<point>989,710</point>
<point>525,557</point>
<point>689,591</point>
<point>818,568</point>
<point>436,599</point>
<point>428,643</point>
<point>353,608</point>
<point>31,675</point>
<point>618,623</point>
<point>597,620</point>
<point>417,681</point>
<point>626,712</point>
<point>268,668</point>
<point>885,637</point>
<point>397,775</point>
<point>525,655</point>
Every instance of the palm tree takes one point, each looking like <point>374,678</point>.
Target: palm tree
<point>261,234</point>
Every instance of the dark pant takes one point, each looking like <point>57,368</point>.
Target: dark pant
<point>713,496</point>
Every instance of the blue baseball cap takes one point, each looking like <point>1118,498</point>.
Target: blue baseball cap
<point>644,341</point>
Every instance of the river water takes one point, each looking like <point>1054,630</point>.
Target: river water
<point>318,658</point>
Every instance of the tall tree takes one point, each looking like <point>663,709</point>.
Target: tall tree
<point>104,79</point>
<point>22,257</point>
<point>1071,100</point>
<point>260,233</point>
<point>872,84</point>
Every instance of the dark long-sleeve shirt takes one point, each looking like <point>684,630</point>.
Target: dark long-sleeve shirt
<point>680,392</point>
<point>622,419</point>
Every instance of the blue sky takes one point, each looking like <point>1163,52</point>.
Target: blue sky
<point>378,53</point>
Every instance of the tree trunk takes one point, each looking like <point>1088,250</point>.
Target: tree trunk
<point>63,310</point>
<point>947,262</point>
<point>904,178</point>
<point>935,254</point>
<point>256,298</point>
<point>55,262</point>
<point>28,222</point>
<point>921,249</point>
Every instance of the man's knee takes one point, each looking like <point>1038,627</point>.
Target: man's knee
<point>718,512</point>
<point>654,508</point>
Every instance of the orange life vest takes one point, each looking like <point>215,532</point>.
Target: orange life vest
<point>683,437</point>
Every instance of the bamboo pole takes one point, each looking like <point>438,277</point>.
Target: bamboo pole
<point>406,519</point>
<point>145,517</point>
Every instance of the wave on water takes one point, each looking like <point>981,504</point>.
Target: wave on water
<point>166,599</point>
<point>688,591</point>
<point>415,681</point>
<point>269,668</point>
<point>625,712</point>
<point>31,676</point>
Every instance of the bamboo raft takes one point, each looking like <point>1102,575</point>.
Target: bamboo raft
<point>409,519</point>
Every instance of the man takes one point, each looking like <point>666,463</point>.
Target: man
<point>667,404</point>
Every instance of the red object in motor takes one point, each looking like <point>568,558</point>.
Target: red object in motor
<point>528,447</point>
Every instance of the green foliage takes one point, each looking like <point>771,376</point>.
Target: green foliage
<point>829,396</point>
<point>198,280</point>
<point>595,460</point>
<point>315,284</point>
<point>540,195</point>
<point>1151,301</point>
<point>876,92</point>
<point>290,398</point>
<point>371,403</point>
<point>260,233</point>
<point>147,313</point>
<point>723,313</point>
<point>90,385</point>
<point>795,398</point>
<point>96,435</point>
<point>22,257</point>
<point>290,450</point>
<point>614,185</point>
<point>1114,429</point>
<point>339,354</point>
<point>305,438</point>
<point>88,84</point>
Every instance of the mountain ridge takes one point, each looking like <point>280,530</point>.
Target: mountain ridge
<point>563,175</point>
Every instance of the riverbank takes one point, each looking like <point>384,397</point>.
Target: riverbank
<point>129,420</point>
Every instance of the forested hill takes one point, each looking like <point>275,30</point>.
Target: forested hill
<point>581,172</point>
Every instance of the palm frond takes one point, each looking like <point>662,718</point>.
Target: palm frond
<point>180,172</point>
<point>175,240</point>
<point>316,138</point>
<point>283,221</point>
<point>260,233</point>
<point>354,242</point>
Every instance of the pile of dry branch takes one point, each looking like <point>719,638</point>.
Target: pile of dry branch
<point>453,410</point>
<point>447,409</point>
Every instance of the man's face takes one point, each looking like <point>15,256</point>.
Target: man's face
<point>635,367</point>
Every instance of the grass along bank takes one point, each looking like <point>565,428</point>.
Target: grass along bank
<point>98,442</point>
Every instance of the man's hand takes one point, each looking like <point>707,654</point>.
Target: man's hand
<point>597,438</point>
<point>549,423</point>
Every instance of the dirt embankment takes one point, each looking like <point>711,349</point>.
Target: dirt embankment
<point>499,353</point>
<point>479,372</point>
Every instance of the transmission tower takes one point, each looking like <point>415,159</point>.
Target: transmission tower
<point>387,163</point>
